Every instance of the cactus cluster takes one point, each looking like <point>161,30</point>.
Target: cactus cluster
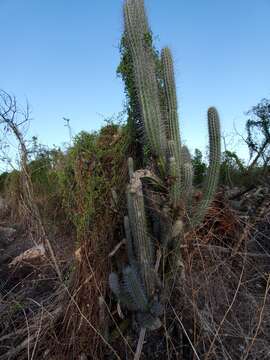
<point>136,289</point>
<point>160,200</point>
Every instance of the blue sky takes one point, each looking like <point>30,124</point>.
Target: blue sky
<point>61,55</point>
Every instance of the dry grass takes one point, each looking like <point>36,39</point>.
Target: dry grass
<point>226,293</point>
<point>219,310</point>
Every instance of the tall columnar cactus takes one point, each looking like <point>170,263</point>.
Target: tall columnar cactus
<point>214,166</point>
<point>162,223</point>
<point>172,124</point>
<point>137,30</point>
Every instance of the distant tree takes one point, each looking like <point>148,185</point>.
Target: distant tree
<point>199,167</point>
<point>258,133</point>
<point>233,170</point>
<point>14,120</point>
<point>234,161</point>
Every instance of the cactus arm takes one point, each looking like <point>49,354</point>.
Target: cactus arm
<point>136,214</point>
<point>171,100</point>
<point>185,155</point>
<point>174,189</point>
<point>130,167</point>
<point>175,173</point>
<point>214,166</point>
<point>130,249</point>
<point>142,242</point>
<point>121,293</point>
<point>188,185</point>
<point>134,287</point>
<point>136,27</point>
<point>114,284</point>
<point>174,139</point>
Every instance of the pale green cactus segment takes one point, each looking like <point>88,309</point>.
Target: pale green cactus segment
<point>188,178</point>
<point>134,287</point>
<point>134,13</point>
<point>114,284</point>
<point>173,132</point>
<point>174,189</point>
<point>130,249</point>
<point>188,174</point>
<point>130,167</point>
<point>214,166</point>
<point>185,155</point>
<point>171,148</point>
<point>137,30</point>
<point>171,100</point>
<point>138,224</point>
<point>175,173</point>
<point>139,229</point>
<point>121,292</point>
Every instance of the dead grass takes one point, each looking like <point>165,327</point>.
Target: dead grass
<point>226,293</point>
<point>219,310</point>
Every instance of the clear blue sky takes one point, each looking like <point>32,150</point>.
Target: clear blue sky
<point>62,55</point>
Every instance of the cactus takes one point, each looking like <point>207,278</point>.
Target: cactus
<point>142,242</point>
<point>120,292</point>
<point>187,184</point>
<point>130,168</point>
<point>134,288</point>
<point>124,293</point>
<point>214,166</point>
<point>130,247</point>
<point>174,191</point>
<point>185,155</point>
<point>131,293</point>
<point>175,172</point>
<point>159,202</point>
<point>114,284</point>
<point>137,30</point>
<point>173,133</point>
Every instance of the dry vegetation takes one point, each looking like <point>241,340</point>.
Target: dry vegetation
<point>62,234</point>
<point>219,312</point>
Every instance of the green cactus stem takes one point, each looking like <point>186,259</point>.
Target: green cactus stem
<point>185,155</point>
<point>142,242</point>
<point>188,174</point>
<point>171,101</point>
<point>138,33</point>
<point>214,166</point>
<point>175,173</point>
<point>130,249</point>
<point>134,287</point>
<point>130,167</point>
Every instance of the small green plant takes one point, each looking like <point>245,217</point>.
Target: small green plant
<point>159,197</point>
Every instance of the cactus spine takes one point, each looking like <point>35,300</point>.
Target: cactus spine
<point>171,194</point>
